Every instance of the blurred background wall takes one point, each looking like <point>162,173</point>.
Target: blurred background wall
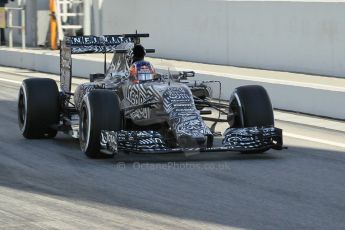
<point>297,36</point>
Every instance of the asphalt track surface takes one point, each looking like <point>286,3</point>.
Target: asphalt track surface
<point>51,184</point>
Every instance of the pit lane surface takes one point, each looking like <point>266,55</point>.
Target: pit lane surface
<point>50,184</point>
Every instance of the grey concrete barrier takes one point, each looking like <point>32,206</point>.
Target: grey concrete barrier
<point>297,36</point>
<point>288,95</point>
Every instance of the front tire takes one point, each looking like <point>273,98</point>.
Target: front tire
<point>38,108</point>
<point>251,107</point>
<point>100,110</point>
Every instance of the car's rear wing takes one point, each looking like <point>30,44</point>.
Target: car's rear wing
<point>89,44</point>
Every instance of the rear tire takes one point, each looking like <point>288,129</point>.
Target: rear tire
<point>100,110</point>
<point>38,108</point>
<point>252,107</point>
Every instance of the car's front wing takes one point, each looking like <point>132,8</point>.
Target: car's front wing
<point>253,139</point>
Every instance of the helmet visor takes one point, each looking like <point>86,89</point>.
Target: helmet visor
<point>145,76</point>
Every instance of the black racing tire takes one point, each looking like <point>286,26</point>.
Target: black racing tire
<point>252,107</point>
<point>38,108</point>
<point>100,110</point>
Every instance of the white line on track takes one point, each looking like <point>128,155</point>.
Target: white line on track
<point>11,81</point>
<point>312,139</point>
<point>264,80</point>
<point>297,136</point>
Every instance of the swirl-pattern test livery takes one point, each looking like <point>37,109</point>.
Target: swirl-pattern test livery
<point>154,113</point>
<point>138,94</point>
<point>184,118</point>
<point>94,44</point>
<point>250,138</point>
<point>84,89</point>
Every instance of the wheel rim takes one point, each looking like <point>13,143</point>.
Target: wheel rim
<point>22,109</point>
<point>236,108</point>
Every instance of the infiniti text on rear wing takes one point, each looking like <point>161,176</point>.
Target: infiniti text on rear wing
<point>94,44</point>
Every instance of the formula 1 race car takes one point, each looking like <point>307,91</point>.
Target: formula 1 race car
<point>164,114</point>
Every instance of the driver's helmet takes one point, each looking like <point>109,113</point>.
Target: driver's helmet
<point>139,53</point>
<point>141,71</point>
